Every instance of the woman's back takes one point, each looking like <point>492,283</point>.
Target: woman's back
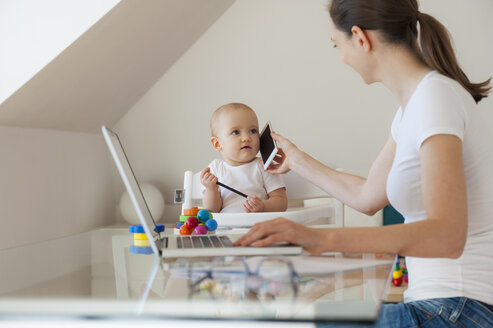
<point>441,106</point>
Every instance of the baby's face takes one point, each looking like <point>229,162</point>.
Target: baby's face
<point>237,136</point>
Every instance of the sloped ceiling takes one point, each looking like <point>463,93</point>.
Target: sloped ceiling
<point>98,78</point>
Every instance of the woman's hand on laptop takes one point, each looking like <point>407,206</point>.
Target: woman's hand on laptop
<point>283,230</point>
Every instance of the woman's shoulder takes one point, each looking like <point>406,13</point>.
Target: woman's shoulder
<point>441,87</point>
<point>441,95</point>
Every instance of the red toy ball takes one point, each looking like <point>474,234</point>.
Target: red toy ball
<point>192,222</point>
<point>397,282</point>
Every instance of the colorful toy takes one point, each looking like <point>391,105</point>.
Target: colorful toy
<point>397,282</point>
<point>184,230</point>
<point>199,223</point>
<point>204,215</point>
<point>140,236</point>
<point>191,211</point>
<point>211,225</point>
<point>399,274</point>
<point>188,213</point>
<point>140,229</point>
<point>397,278</point>
<point>136,229</point>
<point>200,230</point>
<point>404,271</point>
<point>140,250</point>
<point>141,244</point>
<point>192,222</point>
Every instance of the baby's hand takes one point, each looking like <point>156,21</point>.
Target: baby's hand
<point>253,204</point>
<point>208,179</point>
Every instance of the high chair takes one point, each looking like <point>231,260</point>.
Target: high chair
<point>307,204</point>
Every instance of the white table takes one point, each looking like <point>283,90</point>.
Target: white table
<point>94,275</point>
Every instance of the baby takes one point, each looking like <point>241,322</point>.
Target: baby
<point>235,134</point>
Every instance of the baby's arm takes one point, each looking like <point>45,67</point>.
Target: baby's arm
<point>212,198</point>
<point>277,202</point>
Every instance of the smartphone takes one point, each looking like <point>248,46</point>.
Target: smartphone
<point>268,147</point>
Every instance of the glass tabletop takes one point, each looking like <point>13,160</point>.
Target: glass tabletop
<point>102,274</point>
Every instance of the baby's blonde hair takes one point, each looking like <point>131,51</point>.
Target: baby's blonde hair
<point>228,107</point>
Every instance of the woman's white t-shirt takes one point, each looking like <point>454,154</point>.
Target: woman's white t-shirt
<point>440,105</point>
<point>248,178</point>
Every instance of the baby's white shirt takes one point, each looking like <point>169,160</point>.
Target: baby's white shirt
<point>248,178</point>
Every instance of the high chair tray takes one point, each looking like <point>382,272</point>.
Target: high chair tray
<point>299,215</point>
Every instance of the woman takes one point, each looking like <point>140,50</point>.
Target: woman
<point>434,168</point>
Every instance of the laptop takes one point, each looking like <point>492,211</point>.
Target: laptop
<point>172,246</point>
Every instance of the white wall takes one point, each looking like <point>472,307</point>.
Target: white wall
<point>33,32</point>
<point>53,184</point>
<point>275,55</point>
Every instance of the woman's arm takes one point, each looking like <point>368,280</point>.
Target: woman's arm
<point>365,195</point>
<point>442,234</point>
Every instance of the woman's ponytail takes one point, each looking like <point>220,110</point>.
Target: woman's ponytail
<point>438,54</point>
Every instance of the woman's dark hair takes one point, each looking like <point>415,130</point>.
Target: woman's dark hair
<point>397,21</point>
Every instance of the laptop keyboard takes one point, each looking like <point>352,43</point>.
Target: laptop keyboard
<point>207,241</point>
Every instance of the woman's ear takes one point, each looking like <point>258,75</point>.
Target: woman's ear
<point>362,38</point>
<point>215,144</point>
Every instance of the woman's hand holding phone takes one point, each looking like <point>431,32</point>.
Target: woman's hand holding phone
<point>286,151</point>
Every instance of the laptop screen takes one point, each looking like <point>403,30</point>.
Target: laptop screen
<point>131,184</point>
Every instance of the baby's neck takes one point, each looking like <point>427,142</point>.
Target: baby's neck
<point>236,163</point>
